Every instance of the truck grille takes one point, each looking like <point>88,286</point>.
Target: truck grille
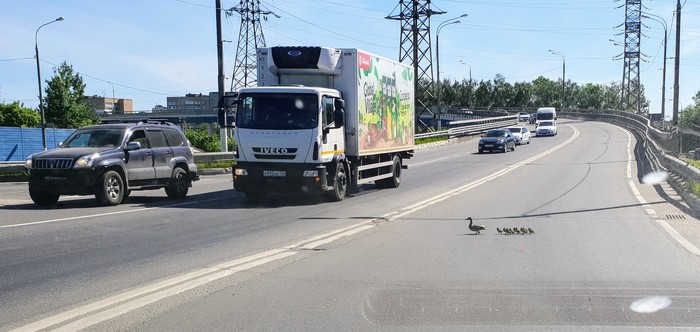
<point>275,153</point>
<point>54,163</point>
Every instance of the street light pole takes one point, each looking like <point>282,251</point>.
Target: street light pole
<point>454,20</point>
<point>659,19</point>
<point>563,77</point>
<point>38,74</point>
<point>470,79</point>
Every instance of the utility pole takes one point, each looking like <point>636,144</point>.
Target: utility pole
<point>416,50</point>
<point>677,63</point>
<point>223,132</point>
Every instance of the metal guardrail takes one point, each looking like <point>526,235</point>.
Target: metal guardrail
<point>472,127</point>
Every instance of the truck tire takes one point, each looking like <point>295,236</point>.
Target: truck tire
<point>110,188</point>
<point>43,198</point>
<point>179,184</point>
<point>395,180</point>
<point>340,185</point>
<point>254,197</point>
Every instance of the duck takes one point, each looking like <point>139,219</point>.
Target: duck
<point>499,230</point>
<point>508,231</point>
<point>516,230</point>
<point>475,228</point>
<point>523,230</point>
<point>530,231</point>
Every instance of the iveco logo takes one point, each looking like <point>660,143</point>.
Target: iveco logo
<point>294,53</point>
<point>274,150</point>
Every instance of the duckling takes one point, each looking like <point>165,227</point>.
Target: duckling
<point>499,230</point>
<point>506,231</point>
<point>516,230</point>
<point>523,230</point>
<point>530,231</point>
<point>475,228</point>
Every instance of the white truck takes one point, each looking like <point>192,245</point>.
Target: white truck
<point>323,120</point>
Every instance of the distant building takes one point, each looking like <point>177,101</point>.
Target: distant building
<point>103,105</point>
<point>159,108</point>
<point>191,102</point>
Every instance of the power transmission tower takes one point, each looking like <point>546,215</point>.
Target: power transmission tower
<point>416,50</point>
<point>250,38</point>
<point>631,86</point>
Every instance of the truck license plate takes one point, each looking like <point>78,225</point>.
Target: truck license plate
<point>274,173</point>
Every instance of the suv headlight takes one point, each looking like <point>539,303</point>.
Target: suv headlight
<point>28,163</point>
<point>85,161</point>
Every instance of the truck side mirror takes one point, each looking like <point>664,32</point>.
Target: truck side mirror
<point>339,115</point>
<point>226,105</point>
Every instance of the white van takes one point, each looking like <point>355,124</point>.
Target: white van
<point>546,114</point>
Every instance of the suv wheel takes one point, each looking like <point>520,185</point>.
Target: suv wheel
<point>110,188</point>
<point>43,198</point>
<point>179,184</point>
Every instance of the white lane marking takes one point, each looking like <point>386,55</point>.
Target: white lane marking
<point>666,226</point>
<point>679,238</point>
<point>318,243</point>
<point>131,300</point>
<point>165,284</point>
<point>106,214</point>
<point>428,162</point>
<point>469,186</point>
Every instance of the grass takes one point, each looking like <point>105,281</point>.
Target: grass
<point>692,162</point>
<point>430,139</point>
<point>14,177</point>
<point>694,187</point>
<point>217,164</point>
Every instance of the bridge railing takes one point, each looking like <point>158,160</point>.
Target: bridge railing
<point>460,128</point>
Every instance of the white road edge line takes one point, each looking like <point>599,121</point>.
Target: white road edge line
<point>122,303</point>
<point>666,226</point>
<point>679,238</point>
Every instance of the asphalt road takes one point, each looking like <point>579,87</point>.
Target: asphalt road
<point>382,259</point>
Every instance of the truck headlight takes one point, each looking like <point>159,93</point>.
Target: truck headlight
<point>85,161</point>
<point>241,171</point>
<point>311,174</point>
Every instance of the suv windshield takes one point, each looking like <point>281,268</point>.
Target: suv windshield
<point>277,111</point>
<point>94,138</point>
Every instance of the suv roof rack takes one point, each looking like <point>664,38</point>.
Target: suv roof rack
<point>156,121</point>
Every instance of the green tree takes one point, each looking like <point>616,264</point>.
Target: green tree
<point>16,115</point>
<point>545,92</point>
<point>65,104</point>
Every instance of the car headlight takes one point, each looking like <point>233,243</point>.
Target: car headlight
<point>241,171</point>
<point>85,161</point>
<point>28,163</point>
<point>500,140</point>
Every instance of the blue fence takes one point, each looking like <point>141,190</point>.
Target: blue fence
<point>16,144</point>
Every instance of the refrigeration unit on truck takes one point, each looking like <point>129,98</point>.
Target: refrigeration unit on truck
<point>323,120</point>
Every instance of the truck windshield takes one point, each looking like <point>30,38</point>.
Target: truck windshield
<point>277,111</point>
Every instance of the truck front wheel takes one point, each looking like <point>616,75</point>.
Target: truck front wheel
<point>340,185</point>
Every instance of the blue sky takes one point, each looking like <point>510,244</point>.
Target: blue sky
<point>147,50</point>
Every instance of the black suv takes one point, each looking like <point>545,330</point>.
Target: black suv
<point>111,160</point>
